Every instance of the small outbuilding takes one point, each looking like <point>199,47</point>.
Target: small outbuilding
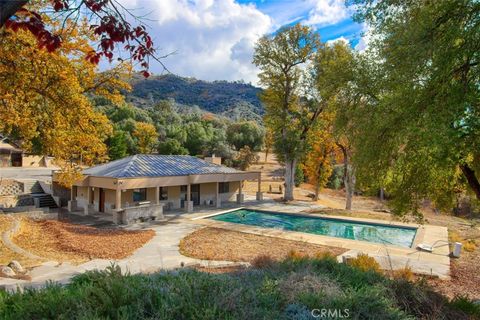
<point>168,181</point>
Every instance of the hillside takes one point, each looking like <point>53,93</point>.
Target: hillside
<point>234,100</point>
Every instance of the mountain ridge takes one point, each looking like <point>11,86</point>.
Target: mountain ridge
<point>235,100</point>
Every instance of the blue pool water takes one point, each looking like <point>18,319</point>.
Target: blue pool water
<point>390,235</point>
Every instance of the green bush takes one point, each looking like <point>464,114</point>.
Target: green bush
<point>299,175</point>
<point>289,289</point>
<point>336,179</point>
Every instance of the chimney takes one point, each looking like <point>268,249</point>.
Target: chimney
<point>213,159</point>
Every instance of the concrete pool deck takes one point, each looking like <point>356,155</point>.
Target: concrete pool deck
<point>436,263</point>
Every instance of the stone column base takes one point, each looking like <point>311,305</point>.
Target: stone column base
<point>189,206</point>
<point>72,205</point>
<point>218,203</point>
<point>259,196</point>
<point>88,209</point>
<point>240,198</point>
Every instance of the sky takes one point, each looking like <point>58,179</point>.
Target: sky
<point>214,39</point>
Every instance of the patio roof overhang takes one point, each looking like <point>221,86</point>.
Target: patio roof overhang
<point>164,181</point>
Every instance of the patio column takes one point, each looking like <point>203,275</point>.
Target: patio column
<point>240,195</point>
<point>118,199</point>
<point>218,201</point>
<point>189,202</point>
<point>157,195</point>
<point>89,205</point>
<point>259,191</point>
<point>72,204</point>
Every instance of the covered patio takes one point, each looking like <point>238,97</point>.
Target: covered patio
<point>143,186</point>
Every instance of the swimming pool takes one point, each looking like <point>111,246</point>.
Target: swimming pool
<point>347,229</point>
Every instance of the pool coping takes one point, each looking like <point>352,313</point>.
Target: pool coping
<point>433,263</point>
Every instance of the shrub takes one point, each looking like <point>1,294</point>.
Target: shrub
<point>299,175</point>
<point>365,263</point>
<point>325,255</point>
<point>307,282</point>
<point>262,261</point>
<point>405,273</point>
<point>466,305</point>
<point>469,245</point>
<point>288,289</point>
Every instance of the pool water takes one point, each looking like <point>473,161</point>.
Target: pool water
<point>347,229</point>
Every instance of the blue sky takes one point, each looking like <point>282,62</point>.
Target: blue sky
<point>214,39</point>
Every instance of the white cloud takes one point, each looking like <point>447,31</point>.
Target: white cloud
<point>342,39</point>
<point>366,38</point>
<point>213,39</point>
<point>327,12</point>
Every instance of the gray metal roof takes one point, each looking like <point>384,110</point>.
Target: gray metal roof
<point>152,165</point>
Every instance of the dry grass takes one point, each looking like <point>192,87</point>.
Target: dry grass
<point>63,241</point>
<point>219,244</point>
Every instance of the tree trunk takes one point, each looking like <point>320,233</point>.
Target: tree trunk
<point>289,179</point>
<point>382,194</point>
<point>349,179</point>
<point>8,9</point>
<point>471,179</point>
<point>317,192</point>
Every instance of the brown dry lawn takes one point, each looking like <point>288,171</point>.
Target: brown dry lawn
<point>61,241</point>
<point>220,244</point>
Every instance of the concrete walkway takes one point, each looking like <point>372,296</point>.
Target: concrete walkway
<point>162,252</point>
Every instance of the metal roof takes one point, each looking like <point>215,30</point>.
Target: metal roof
<point>152,165</point>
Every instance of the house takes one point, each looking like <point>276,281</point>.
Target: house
<point>11,155</point>
<point>163,181</point>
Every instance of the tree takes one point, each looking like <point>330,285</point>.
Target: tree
<point>171,146</point>
<point>420,131</point>
<point>245,133</point>
<point>245,158</point>
<point>282,58</point>
<point>198,136</point>
<point>108,20</point>
<point>318,163</point>
<point>146,136</point>
<point>336,81</point>
<point>117,145</point>
<point>43,97</point>
<point>268,142</point>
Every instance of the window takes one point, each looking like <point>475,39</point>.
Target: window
<point>224,187</point>
<point>139,195</point>
<point>163,193</point>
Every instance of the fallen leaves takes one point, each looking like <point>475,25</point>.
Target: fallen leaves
<point>63,241</point>
<point>227,245</point>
